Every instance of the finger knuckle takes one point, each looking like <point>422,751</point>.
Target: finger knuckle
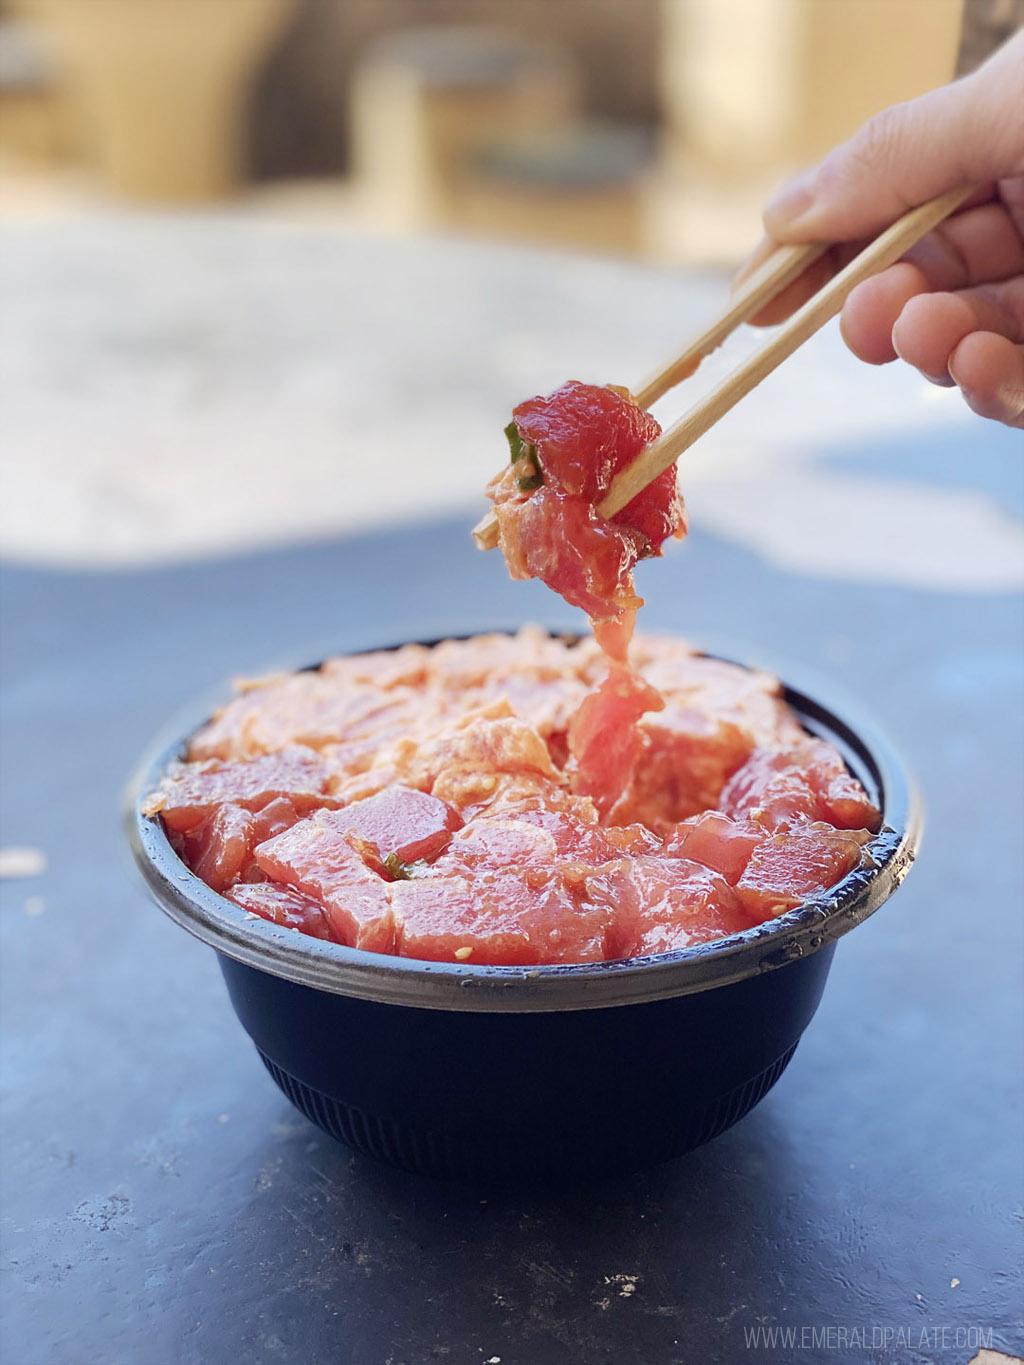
<point>876,147</point>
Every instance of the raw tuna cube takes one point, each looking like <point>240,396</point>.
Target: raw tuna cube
<point>502,918</point>
<point>779,788</point>
<point>715,841</point>
<point>273,819</point>
<point>790,866</point>
<point>583,435</point>
<point>844,801</point>
<point>499,842</point>
<point>687,758</point>
<point>580,840</point>
<point>316,857</point>
<point>307,708</point>
<point>661,904</point>
<point>191,791</point>
<point>218,849</point>
<point>771,791</point>
<point>410,824</point>
<point>284,906</point>
<point>561,540</point>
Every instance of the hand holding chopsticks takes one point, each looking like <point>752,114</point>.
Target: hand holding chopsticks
<point>765,284</point>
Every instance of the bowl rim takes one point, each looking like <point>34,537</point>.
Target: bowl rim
<point>465,987</point>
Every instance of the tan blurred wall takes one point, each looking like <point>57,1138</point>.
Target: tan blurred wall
<point>747,82</point>
<point>300,112</point>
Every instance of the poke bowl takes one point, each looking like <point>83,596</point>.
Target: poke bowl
<point>481,1072</point>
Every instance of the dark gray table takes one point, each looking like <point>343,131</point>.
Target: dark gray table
<point>162,1202</point>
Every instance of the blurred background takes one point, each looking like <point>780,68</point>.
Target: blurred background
<point>647,127</point>
<point>241,232</point>
<point>273,274</point>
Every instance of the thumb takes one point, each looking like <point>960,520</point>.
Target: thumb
<point>967,133</point>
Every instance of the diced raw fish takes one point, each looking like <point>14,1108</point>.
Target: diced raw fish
<point>633,840</point>
<point>695,683</point>
<point>530,655</point>
<point>771,790</point>
<point>274,818</point>
<point>661,904</point>
<point>567,448</point>
<point>615,634</point>
<point>584,434</point>
<point>780,788</point>
<point>410,824</point>
<point>504,744</point>
<point>657,512</point>
<point>715,841</point>
<point>786,868</point>
<point>284,906</point>
<point>604,739</point>
<point>190,791</point>
<point>218,849</point>
<point>493,842</point>
<point>459,761</point>
<point>477,793</point>
<point>497,918</point>
<point>687,757</point>
<point>545,704</point>
<point>407,666</point>
<point>308,708</point>
<point>317,857</point>
<point>561,540</point>
<point>844,801</point>
<point>574,838</point>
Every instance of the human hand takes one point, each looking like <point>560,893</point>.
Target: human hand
<point>954,306</point>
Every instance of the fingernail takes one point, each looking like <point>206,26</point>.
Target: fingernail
<point>942,381</point>
<point>791,203</point>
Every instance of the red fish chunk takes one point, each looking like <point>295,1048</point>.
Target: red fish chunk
<point>844,801</point>
<point>772,791</point>
<point>517,837</point>
<point>218,849</point>
<point>661,904</point>
<point>604,739</point>
<point>561,540</point>
<point>317,857</point>
<point>687,759</point>
<point>191,791</point>
<point>790,866</point>
<point>502,841</point>
<point>501,918</point>
<point>581,841</point>
<point>584,434</point>
<point>411,824</point>
<point>715,841</point>
<point>273,819</point>
<point>284,906</point>
<point>656,513</point>
<point>781,788</point>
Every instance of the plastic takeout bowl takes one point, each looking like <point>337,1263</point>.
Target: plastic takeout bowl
<point>475,1072</point>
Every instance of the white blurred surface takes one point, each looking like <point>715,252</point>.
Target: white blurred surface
<point>189,385</point>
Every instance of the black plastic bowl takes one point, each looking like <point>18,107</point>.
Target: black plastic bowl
<point>476,1072</point>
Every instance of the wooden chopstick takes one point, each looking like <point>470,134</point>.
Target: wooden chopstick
<point>762,286</point>
<point>882,252</point>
